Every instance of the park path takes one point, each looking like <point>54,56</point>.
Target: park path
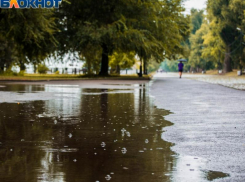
<point>209,124</point>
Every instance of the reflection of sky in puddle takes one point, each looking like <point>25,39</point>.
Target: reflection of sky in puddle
<point>48,172</point>
<point>189,169</point>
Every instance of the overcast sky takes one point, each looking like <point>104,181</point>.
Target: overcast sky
<point>198,4</point>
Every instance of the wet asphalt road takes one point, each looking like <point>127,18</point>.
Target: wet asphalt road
<point>209,124</point>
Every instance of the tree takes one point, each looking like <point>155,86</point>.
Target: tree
<point>168,65</point>
<point>196,59</point>
<point>194,41</point>
<point>197,18</point>
<point>28,33</point>
<point>120,60</point>
<point>8,52</point>
<point>213,46</point>
<point>225,16</point>
<point>153,66</point>
<point>148,28</point>
<point>91,55</point>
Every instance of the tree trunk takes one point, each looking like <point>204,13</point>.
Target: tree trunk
<point>145,67</point>
<point>105,61</point>
<point>35,68</point>
<point>118,69</point>
<point>1,67</point>
<point>22,66</point>
<point>227,62</point>
<point>89,67</point>
<point>240,64</point>
<point>8,66</point>
<point>140,73</point>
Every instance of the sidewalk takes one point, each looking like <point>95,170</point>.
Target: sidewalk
<point>209,122</point>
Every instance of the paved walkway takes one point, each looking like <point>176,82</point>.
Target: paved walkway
<point>209,122</point>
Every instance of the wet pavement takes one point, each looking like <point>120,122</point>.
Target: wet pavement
<point>112,131</point>
<point>231,82</point>
<point>81,131</point>
<point>209,126</point>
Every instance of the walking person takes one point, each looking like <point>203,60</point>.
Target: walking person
<point>181,66</point>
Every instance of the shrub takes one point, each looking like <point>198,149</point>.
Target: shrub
<point>42,69</point>
<point>21,73</point>
<point>57,72</point>
<point>9,72</point>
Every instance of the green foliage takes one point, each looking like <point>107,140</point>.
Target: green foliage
<point>148,28</point>
<point>153,66</point>
<point>92,56</point>
<point>171,66</point>
<point>197,18</point>
<point>57,73</point>
<point>26,35</point>
<point>225,17</point>
<point>42,69</point>
<point>9,72</point>
<point>196,60</point>
<point>120,60</point>
<point>21,73</point>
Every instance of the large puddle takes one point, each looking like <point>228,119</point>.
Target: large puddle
<point>65,133</point>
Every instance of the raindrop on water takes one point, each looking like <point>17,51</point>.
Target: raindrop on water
<point>103,144</point>
<point>70,135</point>
<point>108,177</point>
<point>146,141</point>
<point>124,150</point>
<point>55,122</point>
<point>128,134</point>
<point>75,160</point>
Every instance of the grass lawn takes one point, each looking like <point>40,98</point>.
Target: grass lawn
<point>215,72</point>
<point>53,77</point>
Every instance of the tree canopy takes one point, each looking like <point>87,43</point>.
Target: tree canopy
<point>148,28</point>
<point>226,18</point>
<point>216,39</point>
<point>26,35</point>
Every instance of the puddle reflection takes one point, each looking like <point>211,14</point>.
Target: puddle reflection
<point>84,135</point>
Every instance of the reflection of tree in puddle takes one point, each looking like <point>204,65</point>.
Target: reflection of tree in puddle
<point>86,143</point>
